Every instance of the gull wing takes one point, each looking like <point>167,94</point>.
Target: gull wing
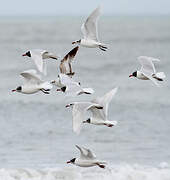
<point>31,76</point>
<point>86,153</point>
<point>78,114</point>
<point>148,68</point>
<point>104,102</point>
<point>89,28</point>
<point>65,79</point>
<point>65,65</point>
<point>36,55</point>
<point>147,64</point>
<point>73,89</point>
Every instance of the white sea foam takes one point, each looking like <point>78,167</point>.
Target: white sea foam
<point>122,172</point>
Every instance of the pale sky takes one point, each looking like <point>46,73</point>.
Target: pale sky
<point>81,7</point>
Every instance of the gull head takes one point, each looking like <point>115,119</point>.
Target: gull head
<point>134,74</point>
<point>69,105</point>
<point>72,161</point>
<point>18,89</point>
<point>87,121</point>
<point>63,89</point>
<point>27,54</point>
<point>76,42</point>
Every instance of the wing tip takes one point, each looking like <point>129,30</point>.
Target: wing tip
<point>115,89</point>
<point>147,58</point>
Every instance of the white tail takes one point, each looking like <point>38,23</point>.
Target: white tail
<point>46,85</point>
<point>160,75</point>
<point>88,90</point>
<point>114,123</point>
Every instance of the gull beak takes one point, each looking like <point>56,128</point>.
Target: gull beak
<point>67,106</point>
<point>74,42</point>
<point>24,55</point>
<point>58,90</point>
<point>131,75</point>
<point>68,162</point>
<point>14,90</point>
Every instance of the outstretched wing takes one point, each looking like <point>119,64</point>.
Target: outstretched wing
<point>78,114</point>
<point>72,88</point>
<point>65,79</point>
<point>31,76</point>
<point>89,28</point>
<point>148,68</point>
<point>65,65</point>
<point>36,55</point>
<point>104,102</point>
<point>86,153</point>
<point>147,64</point>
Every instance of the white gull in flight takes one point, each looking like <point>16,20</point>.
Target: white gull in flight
<point>33,83</point>
<point>90,32</point>
<point>87,159</point>
<point>147,71</point>
<point>98,108</point>
<point>37,55</point>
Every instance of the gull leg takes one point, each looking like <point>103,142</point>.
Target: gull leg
<point>44,91</point>
<point>100,165</point>
<point>103,48</point>
<point>108,125</point>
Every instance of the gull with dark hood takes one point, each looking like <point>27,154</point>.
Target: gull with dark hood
<point>37,55</point>
<point>99,109</point>
<point>90,32</point>
<point>87,159</point>
<point>147,71</point>
<point>33,83</point>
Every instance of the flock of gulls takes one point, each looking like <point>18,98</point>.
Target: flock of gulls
<point>65,83</point>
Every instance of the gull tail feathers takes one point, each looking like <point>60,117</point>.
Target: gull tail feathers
<point>103,47</point>
<point>88,90</point>
<point>110,123</point>
<point>114,123</point>
<point>46,86</point>
<point>160,75</point>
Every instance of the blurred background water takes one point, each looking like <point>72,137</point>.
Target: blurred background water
<point>36,130</point>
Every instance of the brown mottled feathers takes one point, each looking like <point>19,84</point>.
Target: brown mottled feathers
<point>65,65</point>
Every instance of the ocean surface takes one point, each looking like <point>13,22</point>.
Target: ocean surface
<point>36,137</point>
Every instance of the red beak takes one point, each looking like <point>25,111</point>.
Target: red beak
<point>131,75</point>
<point>67,106</point>
<point>73,42</point>
<point>13,90</point>
<point>68,162</point>
<point>24,55</point>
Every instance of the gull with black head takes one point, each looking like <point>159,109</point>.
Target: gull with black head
<point>37,55</point>
<point>90,32</point>
<point>87,159</point>
<point>33,83</point>
<point>99,109</point>
<point>147,71</point>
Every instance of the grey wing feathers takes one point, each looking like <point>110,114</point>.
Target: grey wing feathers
<point>147,64</point>
<point>86,153</point>
<point>104,102</point>
<point>89,28</point>
<point>31,76</point>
